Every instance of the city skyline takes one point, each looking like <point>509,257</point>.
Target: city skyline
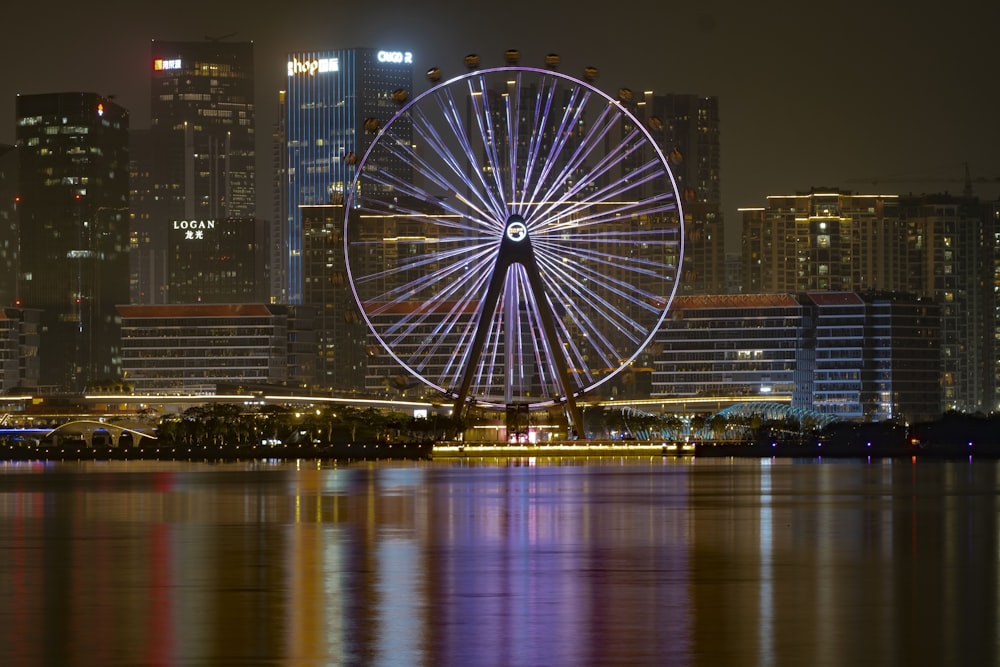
<point>863,99</point>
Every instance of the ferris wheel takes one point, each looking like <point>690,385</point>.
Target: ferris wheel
<point>513,236</point>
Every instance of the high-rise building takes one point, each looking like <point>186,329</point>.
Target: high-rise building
<point>73,219</point>
<point>948,259</point>
<point>823,240</point>
<point>8,224</point>
<point>212,261</point>
<point>197,160</point>
<point>329,97</point>
<point>687,129</point>
<point>341,334</point>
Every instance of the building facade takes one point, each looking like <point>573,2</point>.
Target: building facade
<point>329,96</point>
<point>197,161</point>
<point>192,348</point>
<point>687,128</point>
<point>212,261</point>
<point>875,356</point>
<point>19,361</point>
<point>934,246</point>
<point>342,337</point>
<point>729,348</point>
<point>8,224</point>
<point>852,356</point>
<point>73,222</point>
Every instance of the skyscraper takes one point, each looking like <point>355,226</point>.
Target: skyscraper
<point>329,97</point>
<point>197,160</point>
<point>73,213</point>
<point>687,128</point>
<point>8,224</point>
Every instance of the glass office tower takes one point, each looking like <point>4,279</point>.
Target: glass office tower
<point>73,211</point>
<point>328,98</point>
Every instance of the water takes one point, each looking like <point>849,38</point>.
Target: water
<point>562,562</point>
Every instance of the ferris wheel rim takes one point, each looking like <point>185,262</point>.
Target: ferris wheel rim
<point>649,142</point>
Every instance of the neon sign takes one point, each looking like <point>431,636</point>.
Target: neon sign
<point>160,64</point>
<point>313,67</point>
<point>395,57</point>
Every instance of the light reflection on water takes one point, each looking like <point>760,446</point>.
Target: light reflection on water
<point>653,561</point>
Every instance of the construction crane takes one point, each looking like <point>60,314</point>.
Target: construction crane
<point>966,188</point>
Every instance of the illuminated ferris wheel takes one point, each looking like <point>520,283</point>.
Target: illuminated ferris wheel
<point>513,236</point>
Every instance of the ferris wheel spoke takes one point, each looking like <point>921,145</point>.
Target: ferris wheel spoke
<point>451,180</point>
<point>594,297</point>
<point>627,182</point>
<point>543,109</point>
<point>584,262</point>
<point>456,176</point>
<point>455,260</point>
<point>572,114</point>
<point>482,112</point>
<point>479,187</point>
<point>569,168</point>
<point>586,322</point>
<point>512,108</point>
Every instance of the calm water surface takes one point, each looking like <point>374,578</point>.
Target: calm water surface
<point>558,562</point>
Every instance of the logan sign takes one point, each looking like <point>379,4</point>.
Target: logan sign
<point>194,230</point>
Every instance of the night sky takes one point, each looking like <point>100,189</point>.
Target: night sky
<point>811,94</point>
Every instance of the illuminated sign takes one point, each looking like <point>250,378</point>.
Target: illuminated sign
<point>313,67</point>
<point>194,230</point>
<point>395,57</point>
<point>160,64</point>
<point>516,231</point>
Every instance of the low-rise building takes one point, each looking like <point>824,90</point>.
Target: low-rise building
<point>191,348</point>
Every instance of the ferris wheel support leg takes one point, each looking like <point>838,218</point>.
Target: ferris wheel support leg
<point>486,309</point>
<point>549,329</point>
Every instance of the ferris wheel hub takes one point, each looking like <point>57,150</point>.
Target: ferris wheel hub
<point>517,229</point>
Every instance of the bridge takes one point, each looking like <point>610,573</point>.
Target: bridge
<point>119,434</point>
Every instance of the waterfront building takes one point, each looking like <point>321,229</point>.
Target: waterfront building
<point>192,348</point>
<point>875,356</point>
<point>197,161</point>
<point>715,350</point>
<point>852,356</point>
<point>73,224</point>
<point>328,98</point>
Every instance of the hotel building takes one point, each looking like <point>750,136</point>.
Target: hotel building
<point>193,348</point>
